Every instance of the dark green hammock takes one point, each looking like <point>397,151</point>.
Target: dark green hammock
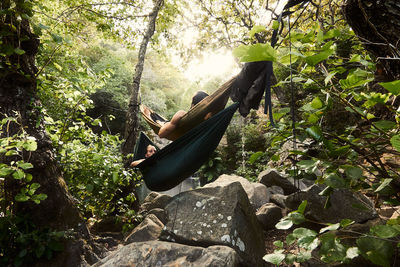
<point>169,166</point>
<point>141,146</point>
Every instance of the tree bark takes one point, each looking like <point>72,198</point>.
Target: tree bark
<point>132,118</point>
<point>18,95</point>
<point>377,24</point>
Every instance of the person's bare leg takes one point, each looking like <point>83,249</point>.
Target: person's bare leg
<point>170,126</point>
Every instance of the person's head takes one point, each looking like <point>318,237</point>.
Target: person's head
<point>150,150</point>
<point>200,95</point>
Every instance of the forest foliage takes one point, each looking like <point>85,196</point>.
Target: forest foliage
<point>345,122</point>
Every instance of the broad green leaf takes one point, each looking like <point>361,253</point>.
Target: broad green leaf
<point>302,207</point>
<point>21,198</point>
<point>395,141</point>
<point>115,177</point>
<point>24,165</point>
<point>18,174</point>
<point>385,183</point>
<point>331,249</point>
<point>385,231</point>
<point>393,87</point>
<point>331,227</point>
<point>385,125</point>
<point>329,77</point>
<point>256,52</point>
<point>290,238</point>
<point>317,103</point>
<point>255,156</point>
<point>308,242</point>
<point>303,256</point>
<point>11,153</point>
<point>30,145</point>
<point>275,25</point>
<point>317,58</point>
<point>256,29</point>
<point>354,172</point>
<point>19,51</point>
<point>313,118</point>
<point>4,171</point>
<point>302,232</point>
<point>315,132</point>
<point>335,181</point>
<point>376,250</point>
<point>283,225</point>
<point>275,258</point>
<point>296,217</point>
<point>278,243</point>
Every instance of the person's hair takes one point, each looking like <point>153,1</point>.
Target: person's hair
<point>200,95</point>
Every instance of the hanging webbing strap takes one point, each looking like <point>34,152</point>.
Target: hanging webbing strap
<point>269,66</point>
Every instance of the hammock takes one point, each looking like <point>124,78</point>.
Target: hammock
<point>211,104</point>
<point>183,157</point>
<point>141,146</point>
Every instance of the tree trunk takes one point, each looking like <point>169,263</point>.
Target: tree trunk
<point>18,96</point>
<point>132,119</point>
<point>377,24</point>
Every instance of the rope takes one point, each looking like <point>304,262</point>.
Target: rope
<point>292,111</point>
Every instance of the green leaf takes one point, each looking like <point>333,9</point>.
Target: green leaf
<point>275,258</point>
<point>296,217</point>
<point>284,224</point>
<point>256,52</point>
<point>256,29</point>
<point>115,177</point>
<point>57,38</point>
<point>334,181</point>
<point>346,222</point>
<point>302,207</point>
<point>18,174</point>
<point>376,250</point>
<point>278,243</point>
<point>308,242</point>
<point>5,171</point>
<point>30,145</point>
<point>19,51</point>
<point>317,58</point>
<point>385,231</point>
<point>275,25</point>
<point>395,141</point>
<point>385,183</point>
<point>290,238</point>
<point>354,173</point>
<point>11,153</point>
<point>24,165</point>
<point>315,132</point>
<point>331,227</point>
<point>393,87</point>
<point>317,103</point>
<point>21,198</point>
<point>255,156</point>
<point>302,232</point>
<point>385,125</point>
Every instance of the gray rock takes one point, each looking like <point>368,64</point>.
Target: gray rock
<point>155,200</point>
<point>158,253</point>
<point>279,200</point>
<point>160,214</point>
<point>149,229</point>
<point>257,193</point>
<point>272,177</point>
<point>344,204</point>
<point>274,189</point>
<point>216,216</point>
<point>269,215</point>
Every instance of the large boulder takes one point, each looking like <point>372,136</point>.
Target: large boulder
<point>257,193</point>
<point>272,177</point>
<point>155,200</point>
<point>149,229</point>
<point>344,204</point>
<point>219,215</point>
<point>269,215</point>
<point>159,253</point>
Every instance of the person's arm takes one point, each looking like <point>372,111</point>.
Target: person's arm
<point>136,162</point>
<point>170,126</point>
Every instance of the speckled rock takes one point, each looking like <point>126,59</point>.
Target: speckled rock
<point>159,253</point>
<point>257,193</point>
<point>149,229</point>
<point>216,216</point>
<point>269,215</point>
<point>272,177</point>
<point>155,200</point>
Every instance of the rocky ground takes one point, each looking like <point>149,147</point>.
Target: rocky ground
<point>230,222</point>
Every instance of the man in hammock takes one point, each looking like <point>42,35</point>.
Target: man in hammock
<point>170,126</point>
<point>150,150</point>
